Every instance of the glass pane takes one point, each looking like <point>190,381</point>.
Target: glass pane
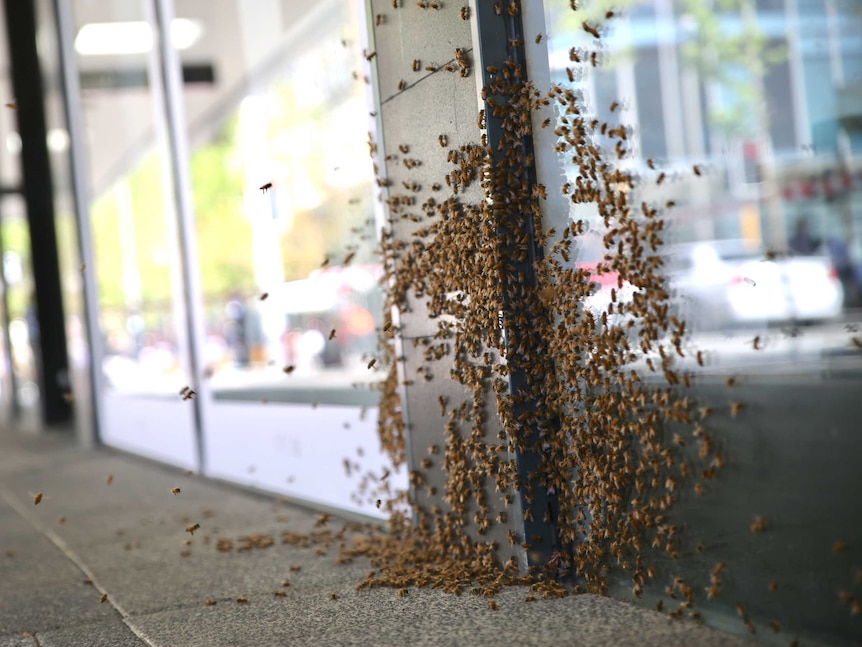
<point>133,215</point>
<point>80,388</point>
<point>23,326</point>
<point>282,185</point>
<point>738,124</point>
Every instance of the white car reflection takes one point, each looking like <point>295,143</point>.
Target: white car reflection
<point>730,282</point>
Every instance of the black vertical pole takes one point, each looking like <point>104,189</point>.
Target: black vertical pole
<point>52,355</point>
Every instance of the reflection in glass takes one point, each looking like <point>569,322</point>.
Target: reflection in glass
<point>132,212</point>
<point>747,116</point>
<point>282,186</point>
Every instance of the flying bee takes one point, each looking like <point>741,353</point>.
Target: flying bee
<point>264,296</point>
<point>369,56</point>
<point>191,529</point>
<point>348,258</point>
<point>372,363</point>
<point>332,334</point>
<point>758,525</point>
<point>696,170</point>
<point>755,343</point>
<point>614,104</point>
<point>266,187</point>
<point>592,31</point>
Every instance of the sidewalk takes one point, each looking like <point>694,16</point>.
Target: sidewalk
<point>128,538</point>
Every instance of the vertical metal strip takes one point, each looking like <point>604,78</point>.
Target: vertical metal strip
<point>171,86</point>
<point>500,39</point>
<point>81,199</point>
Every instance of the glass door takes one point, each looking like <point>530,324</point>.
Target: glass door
<point>133,217</point>
<point>283,195</point>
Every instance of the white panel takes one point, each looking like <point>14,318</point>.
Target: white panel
<point>158,428</point>
<point>296,450</point>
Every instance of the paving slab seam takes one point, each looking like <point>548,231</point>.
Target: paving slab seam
<point>19,507</point>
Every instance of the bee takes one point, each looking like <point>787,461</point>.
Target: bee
<point>773,586</point>
<point>88,580</point>
<point>403,592</point>
<point>378,20</point>
<point>372,363</point>
<point>402,85</point>
<point>731,381</point>
<point>175,491</point>
<point>546,122</point>
<point>755,343</point>
<point>266,187</point>
<point>332,334</point>
<point>191,529</point>
<point>856,342</point>
<point>465,13</point>
<point>775,626</point>
<point>441,139</point>
<point>377,503</point>
<point>839,547</point>
<point>83,267</point>
<point>61,521</point>
<point>333,596</point>
<point>759,524</point>
<point>296,569</point>
<point>104,598</point>
<point>37,498</point>
<point>660,178</point>
<point>696,170</point>
<point>109,479</point>
<point>592,31</point>
<point>480,121</point>
<point>700,358</point>
<point>210,602</point>
<point>242,600</point>
<point>189,394</point>
<point>279,594</point>
<point>370,56</point>
<point>396,4</point>
<point>650,164</point>
<point>538,38</point>
<point>321,520</point>
<point>614,104</point>
<point>348,258</point>
<point>289,369</point>
<point>492,604</point>
<point>417,65</point>
<point>325,262</point>
<point>659,606</point>
<point>12,105</point>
